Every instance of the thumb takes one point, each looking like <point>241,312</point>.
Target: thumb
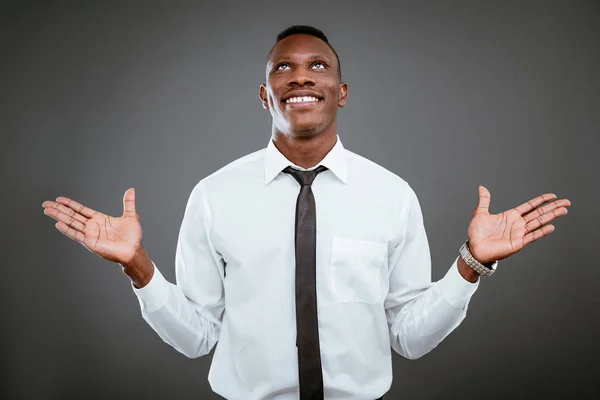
<point>129,203</point>
<point>484,201</point>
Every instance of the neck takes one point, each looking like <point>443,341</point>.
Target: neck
<point>305,152</point>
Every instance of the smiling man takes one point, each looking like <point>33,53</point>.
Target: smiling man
<point>304,262</point>
<point>303,93</point>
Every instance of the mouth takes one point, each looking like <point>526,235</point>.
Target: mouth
<point>302,101</point>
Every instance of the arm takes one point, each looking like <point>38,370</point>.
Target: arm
<point>188,315</point>
<point>421,314</point>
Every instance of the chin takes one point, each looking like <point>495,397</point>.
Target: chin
<point>305,132</point>
<point>306,129</point>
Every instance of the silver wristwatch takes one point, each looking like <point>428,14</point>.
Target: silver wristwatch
<point>483,270</point>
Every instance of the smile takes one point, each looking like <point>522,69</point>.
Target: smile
<point>302,99</point>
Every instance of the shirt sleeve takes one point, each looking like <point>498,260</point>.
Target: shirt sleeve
<point>188,315</point>
<point>420,313</point>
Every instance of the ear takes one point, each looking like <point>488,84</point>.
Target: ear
<point>262,95</point>
<point>343,94</point>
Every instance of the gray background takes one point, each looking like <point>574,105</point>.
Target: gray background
<point>99,97</point>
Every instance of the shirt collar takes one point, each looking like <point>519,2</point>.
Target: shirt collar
<point>335,161</point>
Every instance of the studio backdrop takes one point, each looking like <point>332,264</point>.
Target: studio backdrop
<point>98,97</point>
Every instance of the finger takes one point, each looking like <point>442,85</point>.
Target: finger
<point>70,232</point>
<point>547,208</point>
<point>484,201</point>
<point>129,202</point>
<point>80,208</point>
<point>64,218</point>
<point>534,203</point>
<point>535,235</point>
<point>544,219</point>
<point>69,211</point>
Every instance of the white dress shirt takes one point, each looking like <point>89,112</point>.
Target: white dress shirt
<point>235,271</point>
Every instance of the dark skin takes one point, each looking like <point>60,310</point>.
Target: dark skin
<point>303,65</point>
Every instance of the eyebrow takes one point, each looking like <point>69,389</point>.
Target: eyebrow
<point>311,57</point>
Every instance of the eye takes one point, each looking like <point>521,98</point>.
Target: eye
<point>321,64</point>
<point>278,67</point>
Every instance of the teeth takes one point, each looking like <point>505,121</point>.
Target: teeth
<point>301,99</point>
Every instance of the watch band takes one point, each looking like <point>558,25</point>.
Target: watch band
<point>484,270</point>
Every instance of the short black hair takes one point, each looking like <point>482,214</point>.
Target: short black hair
<point>307,30</point>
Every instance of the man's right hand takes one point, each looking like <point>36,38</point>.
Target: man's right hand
<point>114,239</point>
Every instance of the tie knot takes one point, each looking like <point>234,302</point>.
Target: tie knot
<point>304,178</point>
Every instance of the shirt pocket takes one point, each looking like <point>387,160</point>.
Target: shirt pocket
<point>356,270</point>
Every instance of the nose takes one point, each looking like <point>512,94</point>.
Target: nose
<point>301,77</point>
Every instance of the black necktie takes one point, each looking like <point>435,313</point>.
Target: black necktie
<point>307,338</point>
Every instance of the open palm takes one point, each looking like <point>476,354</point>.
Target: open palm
<point>493,237</point>
<point>114,239</point>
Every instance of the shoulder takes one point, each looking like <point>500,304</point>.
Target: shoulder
<point>382,182</point>
<point>233,176</point>
<point>369,171</point>
<point>250,165</point>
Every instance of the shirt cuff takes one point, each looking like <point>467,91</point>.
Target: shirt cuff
<point>156,292</point>
<point>455,289</point>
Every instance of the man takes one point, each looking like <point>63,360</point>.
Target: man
<point>305,262</point>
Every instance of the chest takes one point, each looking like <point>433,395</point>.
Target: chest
<point>255,227</point>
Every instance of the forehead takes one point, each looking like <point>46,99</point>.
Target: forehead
<point>301,46</point>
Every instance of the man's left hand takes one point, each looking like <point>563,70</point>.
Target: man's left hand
<point>493,237</point>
